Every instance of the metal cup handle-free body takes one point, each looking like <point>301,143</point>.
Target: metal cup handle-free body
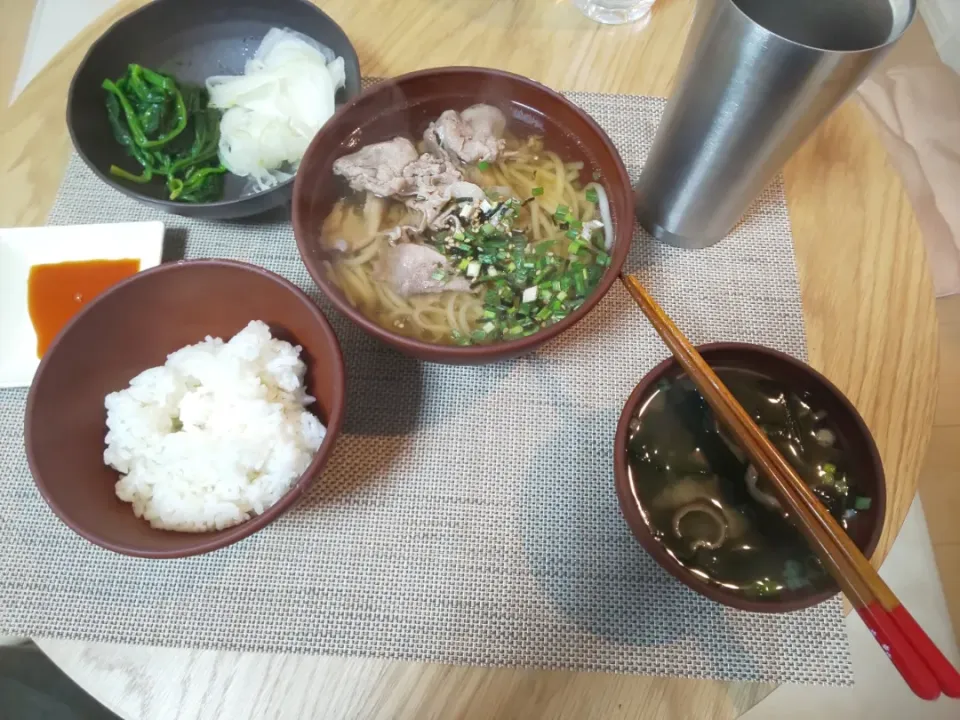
<point>755,80</point>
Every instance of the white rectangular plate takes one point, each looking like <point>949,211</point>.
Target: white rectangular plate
<point>22,248</point>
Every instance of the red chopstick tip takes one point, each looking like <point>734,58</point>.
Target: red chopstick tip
<point>900,650</point>
<point>945,673</point>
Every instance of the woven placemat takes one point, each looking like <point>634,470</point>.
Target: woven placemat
<point>468,514</point>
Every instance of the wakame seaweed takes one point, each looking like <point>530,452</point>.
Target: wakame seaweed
<point>170,130</point>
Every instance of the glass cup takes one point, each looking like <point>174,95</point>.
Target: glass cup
<point>615,12</point>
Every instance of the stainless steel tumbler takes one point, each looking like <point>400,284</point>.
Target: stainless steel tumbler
<point>755,79</point>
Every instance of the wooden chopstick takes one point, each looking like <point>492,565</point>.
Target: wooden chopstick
<point>921,664</point>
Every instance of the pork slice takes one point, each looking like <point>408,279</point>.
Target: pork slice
<point>431,179</point>
<point>379,168</point>
<point>408,270</point>
<point>471,136</point>
<point>486,121</point>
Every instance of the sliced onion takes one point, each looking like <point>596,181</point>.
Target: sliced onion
<point>275,108</point>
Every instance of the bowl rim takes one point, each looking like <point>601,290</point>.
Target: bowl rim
<point>166,203</point>
<point>205,541</point>
<point>623,232</point>
<point>629,505</point>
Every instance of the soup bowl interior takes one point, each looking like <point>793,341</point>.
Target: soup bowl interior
<point>134,326</point>
<point>405,107</point>
<point>853,439</point>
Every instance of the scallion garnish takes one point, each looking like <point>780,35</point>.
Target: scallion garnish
<point>483,166</point>
<point>527,285</point>
<point>592,196</point>
<point>862,503</point>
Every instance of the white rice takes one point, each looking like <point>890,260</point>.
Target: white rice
<point>216,435</point>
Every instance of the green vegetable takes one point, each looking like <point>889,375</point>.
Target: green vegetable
<point>169,130</point>
<point>527,285</point>
<point>592,196</point>
<point>862,503</point>
<point>764,587</point>
<point>483,165</point>
<point>794,575</point>
<point>537,191</point>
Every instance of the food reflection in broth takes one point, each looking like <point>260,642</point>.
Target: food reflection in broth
<point>471,236</point>
<point>707,505</point>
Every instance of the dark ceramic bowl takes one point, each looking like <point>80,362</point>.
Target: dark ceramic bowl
<point>134,326</point>
<point>405,106</point>
<point>854,438</point>
<point>192,40</point>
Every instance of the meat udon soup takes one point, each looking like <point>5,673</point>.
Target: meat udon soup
<point>469,236</point>
<point>706,503</point>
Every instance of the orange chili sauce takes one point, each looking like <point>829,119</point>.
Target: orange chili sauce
<point>55,293</point>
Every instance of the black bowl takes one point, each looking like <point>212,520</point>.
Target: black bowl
<point>192,40</point>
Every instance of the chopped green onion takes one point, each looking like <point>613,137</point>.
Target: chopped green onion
<point>483,165</point>
<point>561,212</point>
<point>592,196</point>
<point>537,191</point>
<point>574,247</point>
<point>438,274</point>
<point>603,259</point>
<point>464,264</point>
<point>458,235</point>
<point>572,234</point>
<point>580,285</point>
<point>530,294</point>
<point>862,503</point>
<point>473,269</point>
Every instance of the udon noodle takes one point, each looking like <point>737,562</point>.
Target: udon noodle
<point>541,241</point>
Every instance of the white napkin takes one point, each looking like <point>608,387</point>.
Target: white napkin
<point>918,111</point>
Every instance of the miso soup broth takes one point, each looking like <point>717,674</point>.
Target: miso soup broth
<point>706,504</point>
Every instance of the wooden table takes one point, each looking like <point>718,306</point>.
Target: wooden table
<point>868,306</point>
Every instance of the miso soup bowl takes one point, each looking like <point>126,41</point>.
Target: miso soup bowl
<point>405,106</point>
<point>853,437</point>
